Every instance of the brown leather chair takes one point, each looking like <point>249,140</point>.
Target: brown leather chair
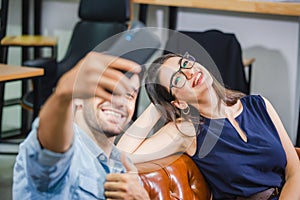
<point>173,177</point>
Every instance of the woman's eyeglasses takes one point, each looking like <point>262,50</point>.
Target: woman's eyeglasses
<point>178,79</point>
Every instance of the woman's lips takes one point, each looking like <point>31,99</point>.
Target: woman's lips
<point>198,79</point>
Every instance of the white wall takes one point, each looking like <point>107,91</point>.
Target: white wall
<point>272,40</point>
<point>58,19</point>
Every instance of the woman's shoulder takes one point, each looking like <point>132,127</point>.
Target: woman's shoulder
<point>256,100</point>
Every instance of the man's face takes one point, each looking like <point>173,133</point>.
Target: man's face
<point>111,118</point>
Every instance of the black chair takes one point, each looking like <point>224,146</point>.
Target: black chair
<point>99,20</point>
<point>224,50</point>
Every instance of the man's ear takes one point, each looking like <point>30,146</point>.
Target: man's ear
<point>180,104</point>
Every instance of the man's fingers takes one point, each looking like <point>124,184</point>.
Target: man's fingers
<point>99,74</point>
<point>122,64</point>
<point>112,86</point>
<point>114,186</point>
<point>116,62</point>
<point>126,65</point>
<point>100,92</point>
<point>124,186</point>
<point>114,195</point>
<point>115,177</point>
<point>119,79</point>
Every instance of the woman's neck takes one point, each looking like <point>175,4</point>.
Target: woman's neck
<point>211,106</point>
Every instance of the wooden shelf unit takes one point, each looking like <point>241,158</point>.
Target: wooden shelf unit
<point>286,8</point>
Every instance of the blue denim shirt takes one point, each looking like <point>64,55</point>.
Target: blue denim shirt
<point>78,173</point>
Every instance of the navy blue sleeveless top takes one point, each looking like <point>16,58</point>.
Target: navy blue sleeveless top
<point>233,167</point>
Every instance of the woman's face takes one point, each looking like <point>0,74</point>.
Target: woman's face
<point>194,80</point>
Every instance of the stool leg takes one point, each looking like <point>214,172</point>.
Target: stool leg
<point>36,100</point>
<point>3,59</point>
<point>25,113</point>
<point>1,106</point>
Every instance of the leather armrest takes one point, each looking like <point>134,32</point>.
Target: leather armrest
<point>173,177</point>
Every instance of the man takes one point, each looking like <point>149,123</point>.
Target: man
<point>61,159</point>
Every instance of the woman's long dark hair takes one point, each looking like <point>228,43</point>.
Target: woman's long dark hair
<point>161,98</point>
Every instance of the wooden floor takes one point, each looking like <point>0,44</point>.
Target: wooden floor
<point>6,174</point>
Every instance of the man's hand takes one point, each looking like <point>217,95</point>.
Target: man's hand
<point>97,75</point>
<point>125,186</point>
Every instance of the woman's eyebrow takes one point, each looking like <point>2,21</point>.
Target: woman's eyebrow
<point>179,61</point>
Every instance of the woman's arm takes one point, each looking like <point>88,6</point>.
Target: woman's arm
<point>138,131</point>
<point>167,141</point>
<point>291,187</point>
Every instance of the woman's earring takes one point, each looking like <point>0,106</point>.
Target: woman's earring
<point>186,110</point>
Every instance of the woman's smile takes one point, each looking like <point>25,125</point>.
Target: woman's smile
<point>198,79</point>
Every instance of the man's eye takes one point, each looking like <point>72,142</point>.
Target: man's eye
<point>129,96</point>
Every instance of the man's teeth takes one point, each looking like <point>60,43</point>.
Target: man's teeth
<point>112,113</point>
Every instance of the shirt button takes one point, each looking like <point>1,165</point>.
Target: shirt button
<point>102,157</point>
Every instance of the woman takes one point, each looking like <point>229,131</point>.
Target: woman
<point>242,147</point>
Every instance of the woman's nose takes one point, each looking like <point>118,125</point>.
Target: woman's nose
<point>189,73</point>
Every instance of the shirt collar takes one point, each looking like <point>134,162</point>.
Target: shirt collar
<point>92,145</point>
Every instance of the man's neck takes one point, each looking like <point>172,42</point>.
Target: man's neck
<point>104,142</point>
